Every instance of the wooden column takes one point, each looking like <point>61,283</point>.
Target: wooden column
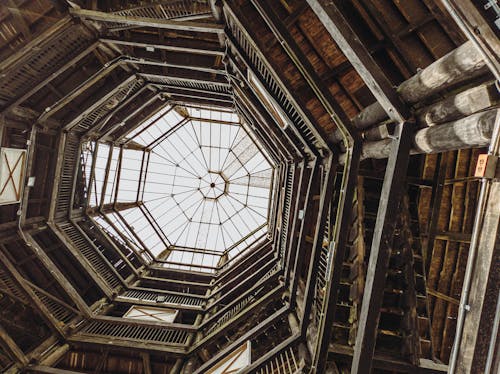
<point>390,198</point>
<point>479,338</point>
<point>478,318</point>
<point>12,348</point>
<point>390,101</point>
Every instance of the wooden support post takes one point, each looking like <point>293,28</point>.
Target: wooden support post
<point>10,346</point>
<point>476,348</point>
<point>433,217</point>
<point>380,251</point>
<point>146,363</point>
<point>387,97</point>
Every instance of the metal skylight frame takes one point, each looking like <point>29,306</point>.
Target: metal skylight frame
<point>133,172</point>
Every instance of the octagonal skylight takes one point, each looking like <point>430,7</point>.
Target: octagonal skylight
<point>200,181</point>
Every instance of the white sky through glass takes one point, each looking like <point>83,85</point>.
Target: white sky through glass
<point>203,181</point>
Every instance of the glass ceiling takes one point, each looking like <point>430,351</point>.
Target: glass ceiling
<point>193,182</point>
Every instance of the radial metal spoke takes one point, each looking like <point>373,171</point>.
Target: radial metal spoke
<point>205,184</point>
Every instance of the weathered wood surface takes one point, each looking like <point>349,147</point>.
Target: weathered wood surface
<point>473,131</point>
<point>458,66</point>
<point>383,236</point>
<point>452,108</point>
<point>460,105</point>
<point>469,132</point>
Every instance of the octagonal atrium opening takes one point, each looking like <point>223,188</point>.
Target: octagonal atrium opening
<point>190,187</point>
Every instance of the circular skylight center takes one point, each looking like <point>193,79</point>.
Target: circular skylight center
<point>216,186</point>
<point>201,182</point>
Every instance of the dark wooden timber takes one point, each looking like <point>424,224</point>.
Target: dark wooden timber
<point>462,64</point>
<point>10,346</point>
<point>436,197</point>
<point>482,33</point>
<point>357,54</point>
<point>476,342</point>
<point>469,132</point>
<point>172,46</point>
<point>49,370</point>
<point>460,105</point>
<point>390,199</point>
<point>479,334</point>
<point>148,22</point>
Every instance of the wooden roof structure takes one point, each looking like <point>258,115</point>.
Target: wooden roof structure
<point>381,250</point>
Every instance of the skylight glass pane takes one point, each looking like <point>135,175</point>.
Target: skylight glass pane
<point>202,186</point>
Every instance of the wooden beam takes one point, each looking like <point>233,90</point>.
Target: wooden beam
<point>460,65</point>
<point>278,78</point>
<point>59,104</point>
<point>157,78</point>
<point>148,22</point>
<point>97,278</point>
<point>10,345</point>
<point>19,279</point>
<point>269,321</point>
<point>84,86</point>
<point>146,363</point>
<point>478,317</point>
<point>460,105</point>
<point>477,29</point>
<point>204,69</point>
<point>95,341</point>
<point>299,58</point>
<point>481,302</point>
<point>58,275</point>
<point>172,46</point>
<point>53,76</point>
<point>460,237</point>
<point>344,354</point>
<point>29,49</point>
<point>49,370</point>
<point>345,37</point>
<point>469,132</point>
<point>112,207</point>
<point>378,264</point>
